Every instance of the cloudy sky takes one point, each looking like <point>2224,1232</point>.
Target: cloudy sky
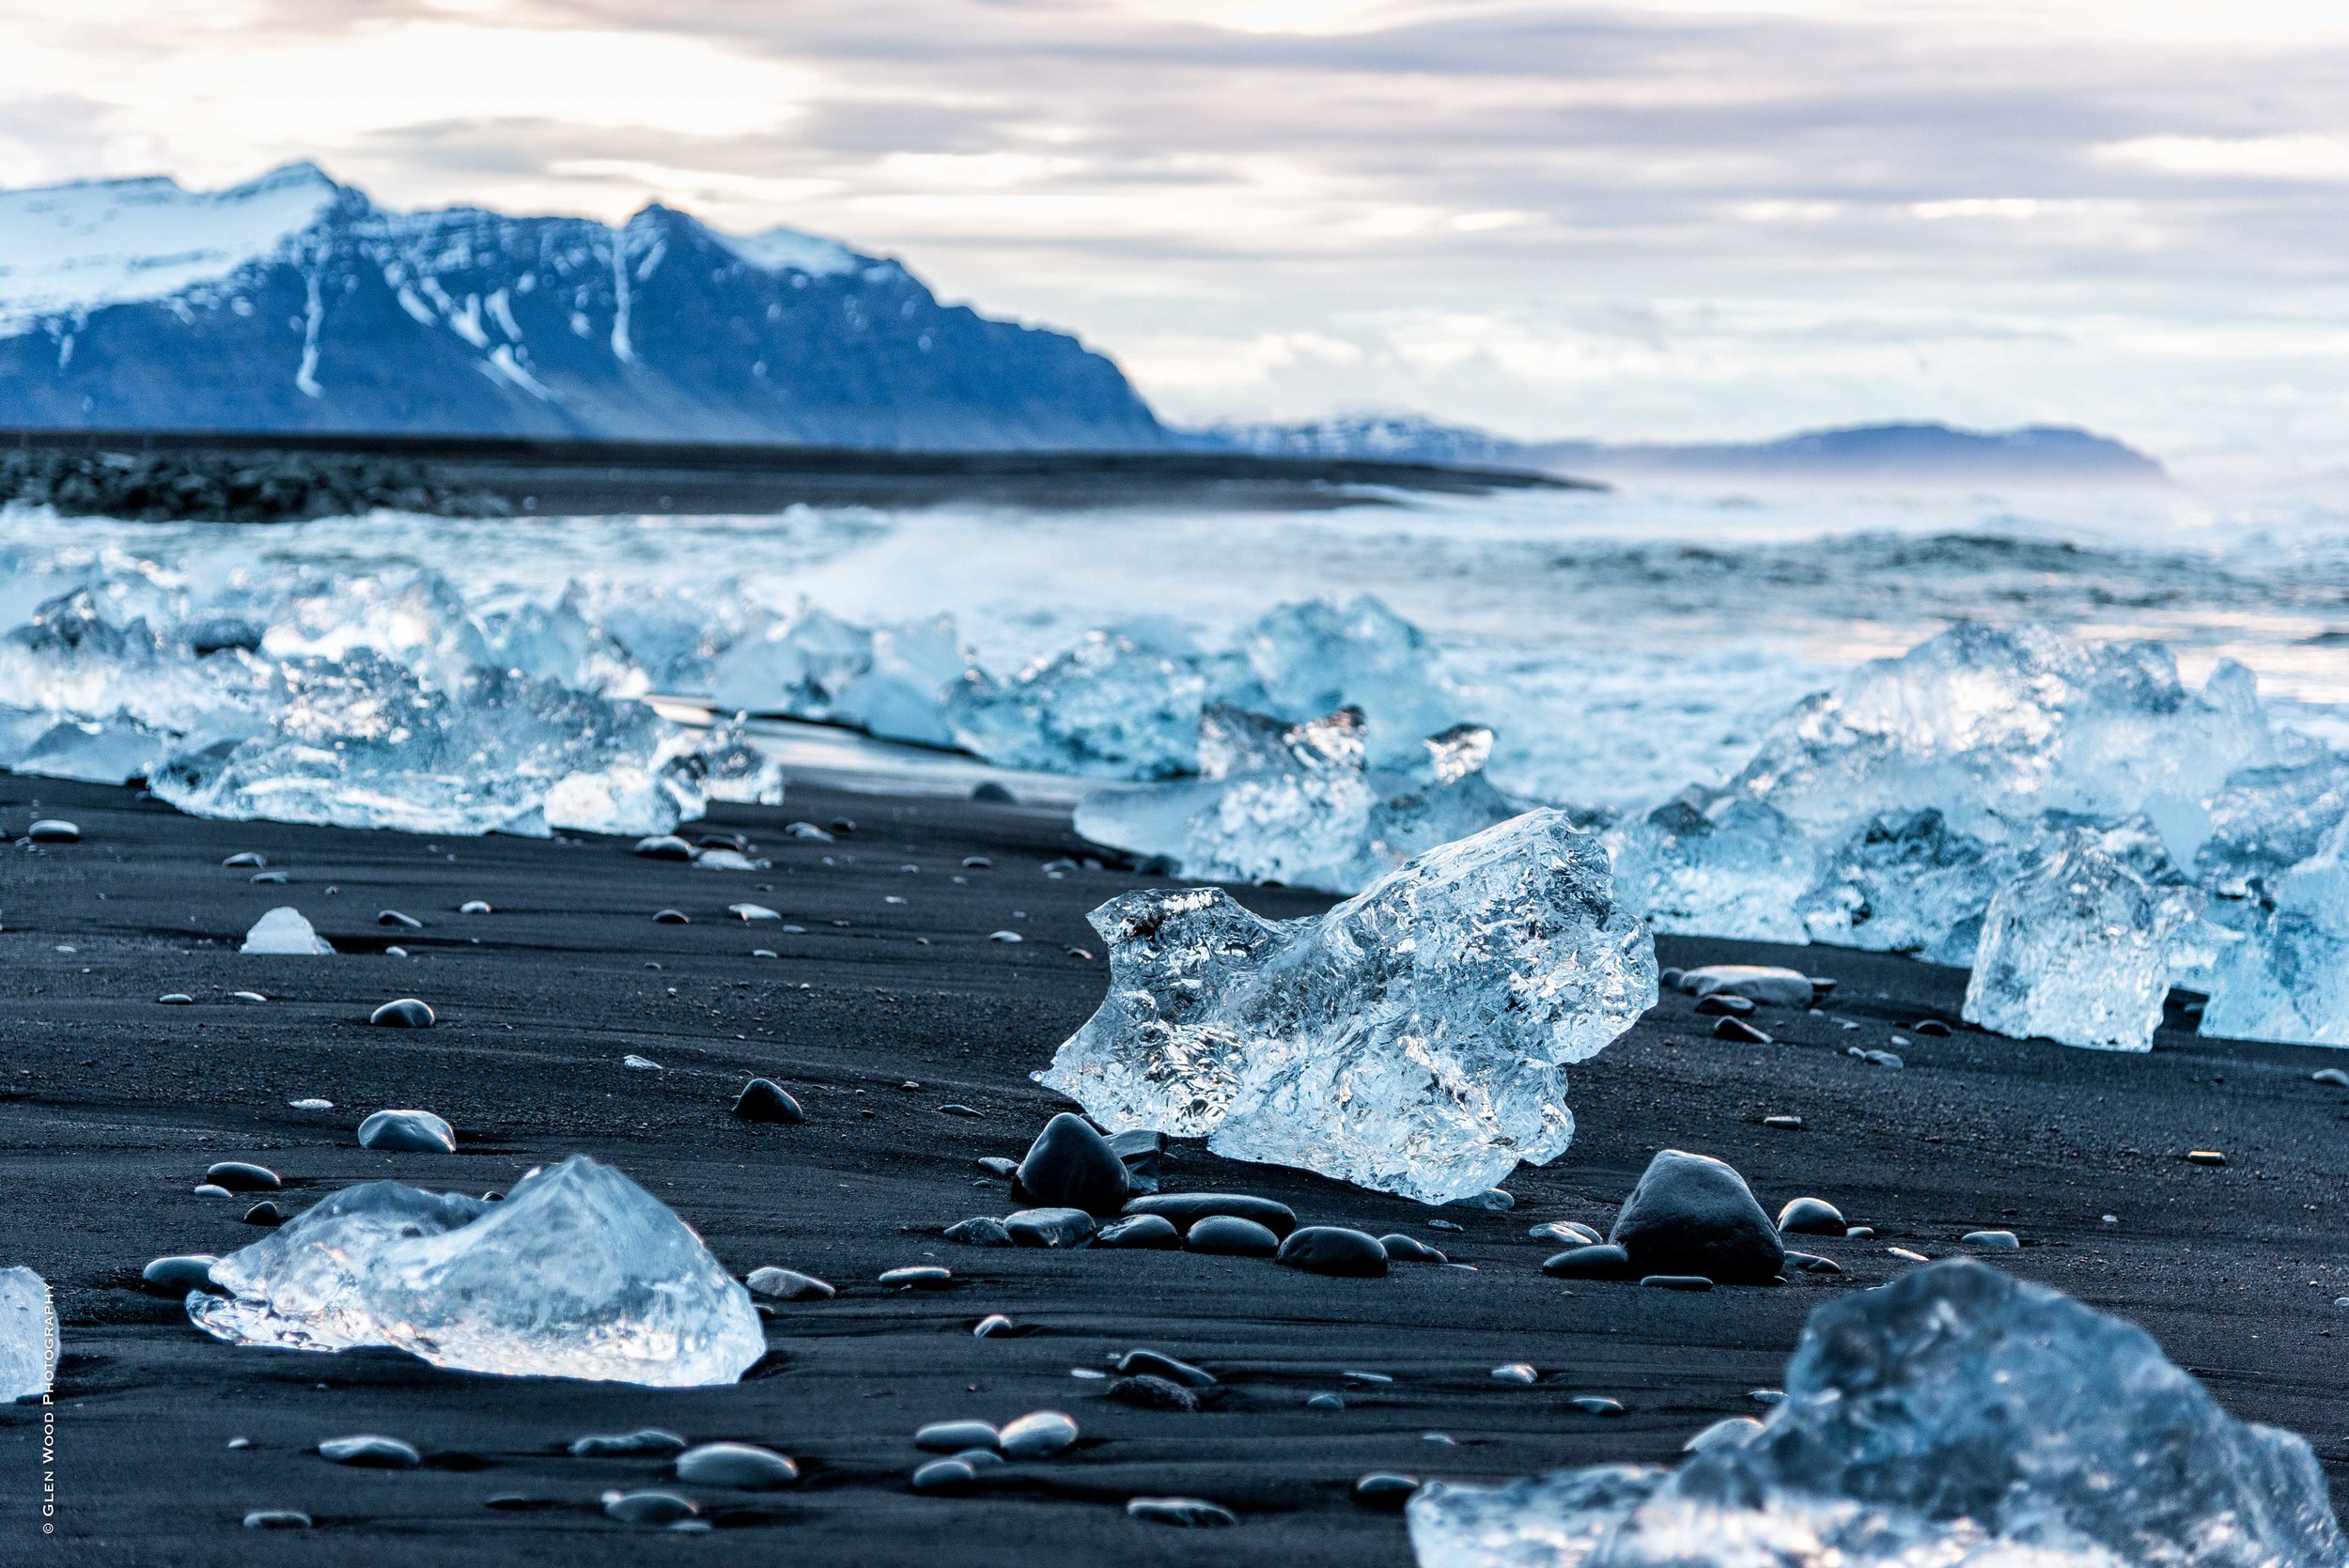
<point>1670,219</point>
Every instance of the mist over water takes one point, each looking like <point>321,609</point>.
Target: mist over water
<point>1622,644</point>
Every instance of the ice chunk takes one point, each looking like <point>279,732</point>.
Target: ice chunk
<point>2267,818</point>
<point>283,931</point>
<point>728,765</point>
<point>2074,949</point>
<point>2288,976</point>
<point>1109,707</point>
<point>560,643</point>
<point>1318,656</point>
<point>108,751</point>
<point>1955,1416</point>
<point>1293,803</point>
<point>28,1335</point>
<point>1992,725</point>
<point>579,1273</point>
<point>363,741</point>
<point>901,692</point>
<point>1907,882</point>
<point>1412,1039</point>
<point>1715,864</point>
<point>796,668</point>
<point>894,681</point>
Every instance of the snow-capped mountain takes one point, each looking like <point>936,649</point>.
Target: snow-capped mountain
<point>294,303</point>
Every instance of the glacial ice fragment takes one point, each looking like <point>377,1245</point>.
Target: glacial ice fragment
<point>283,931</point>
<point>2267,818</point>
<point>1907,882</point>
<point>1994,725</point>
<point>2073,949</point>
<point>2287,978</point>
<point>1109,707</point>
<point>365,742</point>
<point>892,681</point>
<point>1126,701</point>
<point>578,1273</point>
<point>1294,804</point>
<point>28,1334</point>
<point>1410,1039</point>
<point>728,765</point>
<point>1956,1417</point>
<point>1717,865</point>
<point>1318,656</point>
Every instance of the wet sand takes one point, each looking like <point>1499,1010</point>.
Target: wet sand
<point>111,1107</point>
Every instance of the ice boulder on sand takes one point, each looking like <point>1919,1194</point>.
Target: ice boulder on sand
<point>2077,950</point>
<point>1113,706</point>
<point>2288,978</point>
<point>1955,1416</point>
<point>1993,726</point>
<point>578,1273</point>
<point>1297,805</point>
<point>28,1334</point>
<point>365,742</point>
<point>1410,1039</point>
<point>1715,864</point>
<point>283,931</point>
<point>1907,882</point>
<point>1318,656</point>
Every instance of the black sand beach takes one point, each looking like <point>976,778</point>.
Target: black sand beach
<point>111,1107</point>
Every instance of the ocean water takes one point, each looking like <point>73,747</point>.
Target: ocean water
<point>1622,644</point>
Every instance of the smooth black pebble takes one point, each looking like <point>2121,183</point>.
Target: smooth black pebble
<point>764,1100</point>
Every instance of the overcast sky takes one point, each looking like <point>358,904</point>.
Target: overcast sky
<point>1671,219</point>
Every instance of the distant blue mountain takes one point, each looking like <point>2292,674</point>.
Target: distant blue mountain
<point>296,304</point>
<point>2041,454</point>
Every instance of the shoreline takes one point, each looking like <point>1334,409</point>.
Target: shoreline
<point>111,1107</point>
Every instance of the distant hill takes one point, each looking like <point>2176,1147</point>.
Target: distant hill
<point>2038,454</point>
<point>296,304</point>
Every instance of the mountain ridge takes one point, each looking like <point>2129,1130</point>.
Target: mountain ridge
<point>294,303</point>
<point>1899,450</point>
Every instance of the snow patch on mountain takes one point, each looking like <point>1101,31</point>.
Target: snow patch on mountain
<point>787,250</point>
<point>65,250</point>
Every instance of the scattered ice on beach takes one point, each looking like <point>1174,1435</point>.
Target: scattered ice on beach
<point>2075,949</point>
<point>578,1273</point>
<point>1295,804</point>
<point>1907,882</point>
<point>28,1334</point>
<point>366,742</point>
<point>1112,706</point>
<point>1993,726</point>
<point>283,932</point>
<point>1125,702</point>
<point>1318,656</point>
<point>2269,817</point>
<point>892,681</point>
<point>1954,1417</point>
<point>1411,1040</point>
<point>2288,976</point>
<point>728,765</point>
<point>1719,865</point>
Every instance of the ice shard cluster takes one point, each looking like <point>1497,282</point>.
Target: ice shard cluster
<point>1413,1039</point>
<point>1126,702</point>
<point>1297,803</point>
<point>2070,821</point>
<point>1956,1418</point>
<point>28,1334</point>
<point>577,1273</point>
<point>365,700</point>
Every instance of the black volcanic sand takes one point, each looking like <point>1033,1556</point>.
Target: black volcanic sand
<point>875,1018</point>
